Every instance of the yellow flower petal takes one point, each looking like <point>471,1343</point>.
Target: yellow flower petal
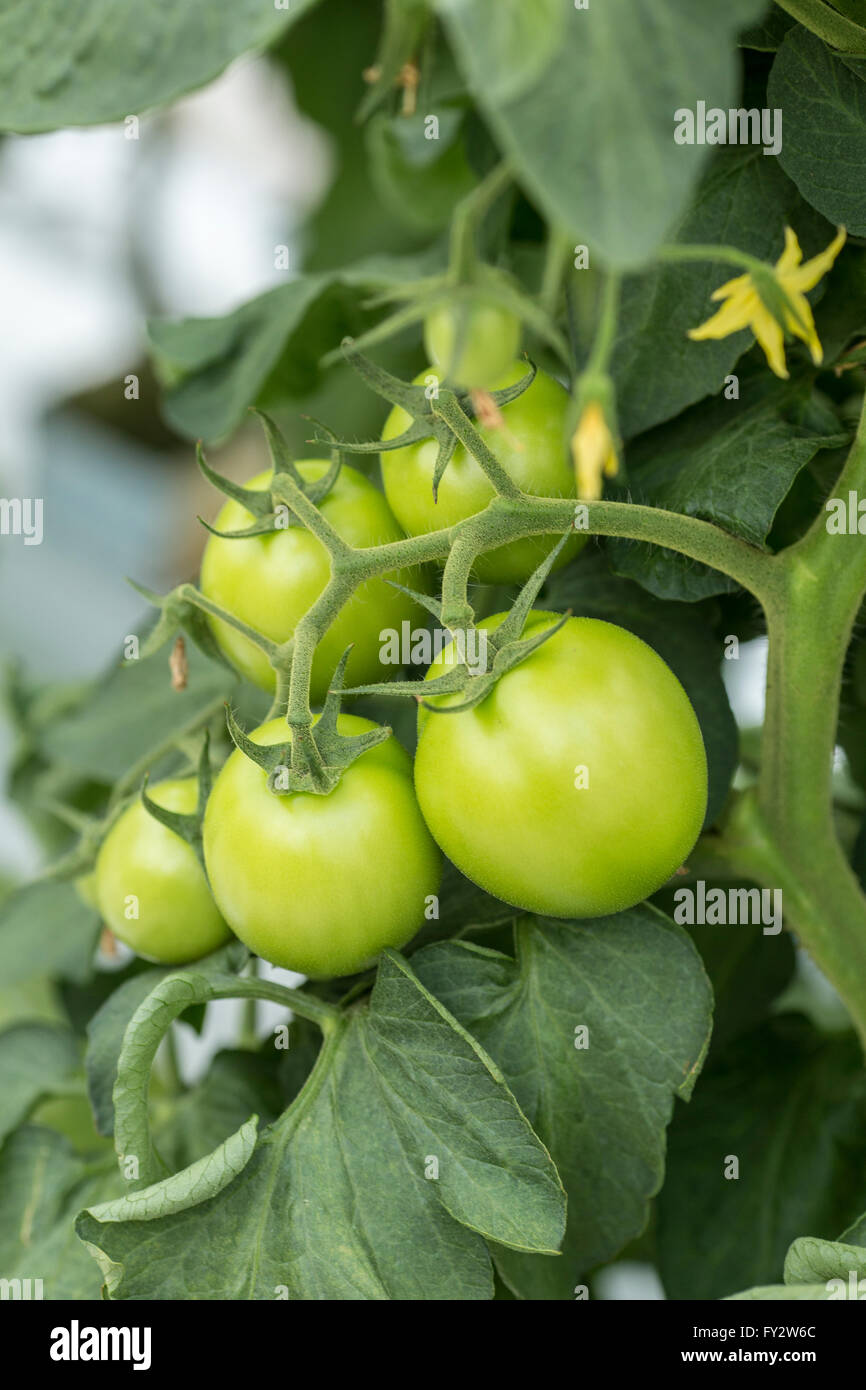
<point>771,338</point>
<point>806,276</point>
<point>791,256</point>
<point>737,313</point>
<point>593,451</point>
<point>805,327</point>
<point>744,306</point>
<point>730,287</point>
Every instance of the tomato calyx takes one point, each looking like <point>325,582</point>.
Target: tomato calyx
<point>437,412</point>
<point>178,612</point>
<point>288,487</point>
<point>314,755</point>
<point>505,647</point>
<point>188,825</point>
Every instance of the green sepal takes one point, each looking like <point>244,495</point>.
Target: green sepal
<point>427,413</point>
<point>506,643</point>
<point>264,527</point>
<point>262,502</point>
<point>776,300</point>
<point>253,499</point>
<point>314,490</point>
<point>178,614</point>
<point>433,605</point>
<point>315,758</point>
<point>447,442</point>
<point>268,756</point>
<point>185,608</point>
<point>188,825</point>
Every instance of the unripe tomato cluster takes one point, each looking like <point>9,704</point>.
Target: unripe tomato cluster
<point>574,789</point>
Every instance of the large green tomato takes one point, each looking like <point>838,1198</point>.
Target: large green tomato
<point>473,342</point>
<point>321,884</point>
<point>579,785</point>
<point>529,443</point>
<point>151,888</point>
<point>271,581</point>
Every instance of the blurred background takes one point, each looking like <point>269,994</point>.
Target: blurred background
<point>98,232</point>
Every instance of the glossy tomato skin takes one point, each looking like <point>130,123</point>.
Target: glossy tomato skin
<point>177,920</point>
<point>473,342</point>
<point>271,581</point>
<point>530,444</point>
<point>500,784</point>
<point>321,884</point>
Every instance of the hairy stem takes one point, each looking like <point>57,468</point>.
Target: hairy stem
<point>811,610</point>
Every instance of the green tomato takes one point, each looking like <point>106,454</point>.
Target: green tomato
<point>151,888</point>
<point>473,342</point>
<point>321,884</point>
<point>579,785</point>
<point>530,444</point>
<point>271,581</point>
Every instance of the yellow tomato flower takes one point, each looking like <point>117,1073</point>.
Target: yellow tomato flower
<point>788,281</point>
<point>593,449</point>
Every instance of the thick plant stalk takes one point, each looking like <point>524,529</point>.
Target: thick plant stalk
<point>813,603</point>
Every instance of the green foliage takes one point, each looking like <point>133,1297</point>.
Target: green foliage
<point>43,1183</point>
<point>397,1087</point>
<point>819,1269</point>
<point>492,1114</point>
<point>743,199</point>
<point>582,102</point>
<point>824,150</point>
<point>600,1099</point>
<point>99,60</point>
<point>35,1061</point>
<point>790,1106</point>
<point>46,927</point>
<point>733,467</point>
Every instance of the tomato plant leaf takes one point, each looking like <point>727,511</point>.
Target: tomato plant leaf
<point>601,1109</point>
<point>134,714</point>
<point>46,927</point>
<point>214,368</point>
<point>824,105</point>
<point>421,192</point>
<point>747,969</point>
<point>237,1083</point>
<point>101,60</point>
<point>731,462</point>
<point>767,36</point>
<point>810,1260</point>
<point>743,200</point>
<point>789,1293</point>
<point>819,1269</point>
<point>856,1233</point>
<point>36,1061</point>
<point>582,102</point>
<point>403,1111</point>
<point>43,1183</point>
<point>790,1106</point>
<point>107,1026</point>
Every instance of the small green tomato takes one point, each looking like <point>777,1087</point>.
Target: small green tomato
<point>151,888</point>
